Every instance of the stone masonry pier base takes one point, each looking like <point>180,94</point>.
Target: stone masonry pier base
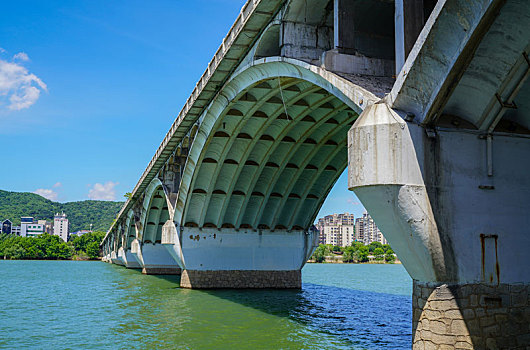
<point>470,316</point>
<point>161,271</point>
<point>198,279</point>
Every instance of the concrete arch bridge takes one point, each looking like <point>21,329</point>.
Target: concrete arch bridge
<point>426,102</point>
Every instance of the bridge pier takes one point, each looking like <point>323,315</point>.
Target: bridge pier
<point>154,259</point>
<point>470,316</point>
<point>455,210</point>
<point>128,259</point>
<point>215,279</point>
<point>115,259</point>
<point>244,258</point>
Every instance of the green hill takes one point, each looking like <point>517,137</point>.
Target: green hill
<point>13,205</point>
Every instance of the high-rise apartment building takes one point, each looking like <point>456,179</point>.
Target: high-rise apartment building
<point>366,231</point>
<point>336,229</point>
<point>60,226</point>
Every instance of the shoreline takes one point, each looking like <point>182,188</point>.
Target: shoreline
<point>397,262</point>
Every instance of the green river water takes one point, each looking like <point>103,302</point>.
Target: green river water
<point>93,305</point>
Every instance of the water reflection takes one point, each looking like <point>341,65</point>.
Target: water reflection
<point>100,306</point>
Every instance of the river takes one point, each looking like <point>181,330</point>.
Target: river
<point>93,305</point>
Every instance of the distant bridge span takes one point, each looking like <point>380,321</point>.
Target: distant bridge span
<point>427,102</point>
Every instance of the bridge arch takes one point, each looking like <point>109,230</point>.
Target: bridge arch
<point>269,147</point>
<point>130,229</point>
<point>155,213</point>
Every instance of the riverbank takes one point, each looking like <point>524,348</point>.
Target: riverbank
<point>357,252</point>
<point>50,247</point>
<point>338,260</point>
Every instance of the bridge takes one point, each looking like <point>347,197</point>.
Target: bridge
<point>426,102</point>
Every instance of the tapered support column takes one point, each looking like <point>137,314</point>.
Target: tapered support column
<point>246,258</point>
<point>154,259</point>
<point>128,259</point>
<point>115,259</point>
<point>461,233</point>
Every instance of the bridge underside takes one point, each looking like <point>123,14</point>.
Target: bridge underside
<point>234,204</point>
<point>271,158</point>
<point>439,162</point>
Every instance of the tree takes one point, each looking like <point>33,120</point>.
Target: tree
<point>14,252</point>
<point>374,245</point>
<point>320,253</point>
<point>88,243</point>
<point>389,256</point>
<point>379,254</point>
<point>92,250</point>
<point>348,256</point>
<point>337,249</point>
<point>361,255</point>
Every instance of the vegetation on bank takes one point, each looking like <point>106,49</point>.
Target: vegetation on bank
<point>357,252</point>
<point>48,247</point>
<point>13,205</point>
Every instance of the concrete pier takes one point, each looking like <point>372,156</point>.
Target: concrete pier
<point>227,258</point>
<point>154,259</point>
<point>471,316</point>
<point>128,259</point>
<point>200,279</point>
<point>436,211</point>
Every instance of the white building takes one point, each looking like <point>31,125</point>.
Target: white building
<point>15,230</point>
<point>337,229</point>
<point>366,231</point>
<point>48,226</point>
<point>60,226</point>
<point>30,228</point>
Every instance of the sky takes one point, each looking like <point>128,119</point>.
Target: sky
<point>88,90</point>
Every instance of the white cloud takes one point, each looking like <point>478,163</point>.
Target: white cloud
<point>46,193</point>
<point>21,56</point>
<point>57,184</point>
<point>352,201</point>
<point>104,192</point>
<point>19,89</point>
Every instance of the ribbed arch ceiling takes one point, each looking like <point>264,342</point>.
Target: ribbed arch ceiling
<point>274,154</point>
<point>156,217</point>
<point>130,233</point>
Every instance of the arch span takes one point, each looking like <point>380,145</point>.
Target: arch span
<point>269,148</point>
<point>267,152</point>
<point>147,247</point>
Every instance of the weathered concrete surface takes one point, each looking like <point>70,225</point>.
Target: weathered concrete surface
<point>460,233</point>
<point>205,279</point>
<point>470,316</point>
<point>209,249</point>
<point>434,201</point>
<point>153,257</point>
<point>115,259</point>
<point>391,187</point>
<point>128,259</point>
<point>356,64</point>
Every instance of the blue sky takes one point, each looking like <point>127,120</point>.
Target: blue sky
<point>88,89</point>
